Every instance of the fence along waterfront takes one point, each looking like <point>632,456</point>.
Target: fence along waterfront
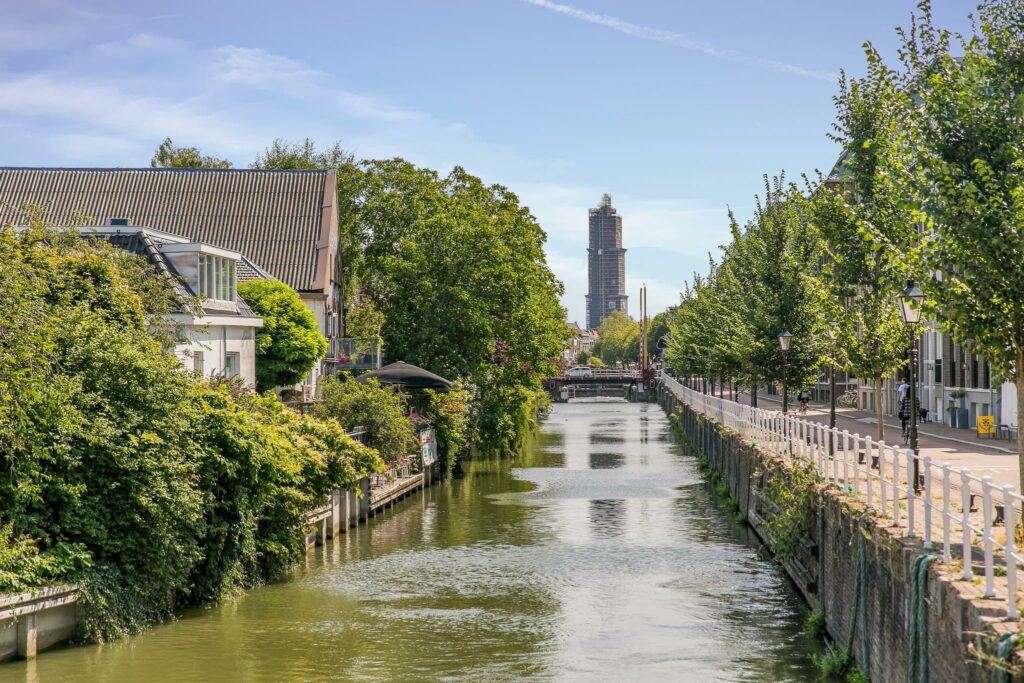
<point>944,514</point>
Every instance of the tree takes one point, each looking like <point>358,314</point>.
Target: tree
<point>658,328</point>
<point>124,473</point>
<point>380,410</point>
<point>867,223</point>
<point>776,258</point>
<point>618,339</point>
<point>969,129</point>
<point>458,269</point>
<point>363,320</point>
<point>169,156</point>
<point>289,344</point>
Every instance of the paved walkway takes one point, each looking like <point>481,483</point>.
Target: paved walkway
<point>958,447</point>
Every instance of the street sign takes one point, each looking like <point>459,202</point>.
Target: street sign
<point>986,425</point>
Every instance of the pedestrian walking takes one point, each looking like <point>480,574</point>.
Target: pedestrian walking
<point>904,412</point>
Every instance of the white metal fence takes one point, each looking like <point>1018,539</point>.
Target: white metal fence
<point>964,515</point>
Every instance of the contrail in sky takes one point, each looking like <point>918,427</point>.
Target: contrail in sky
<point>677,39</point>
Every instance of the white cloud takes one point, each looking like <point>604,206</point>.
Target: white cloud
<point>677,39</point>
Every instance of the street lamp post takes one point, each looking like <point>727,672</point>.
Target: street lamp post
<point>910,309</point>
<point>831,334</point>
<point>784,345</point>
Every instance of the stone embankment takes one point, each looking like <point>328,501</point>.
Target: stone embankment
<point>900,617</point>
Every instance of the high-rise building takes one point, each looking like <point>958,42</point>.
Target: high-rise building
<point>606,261</point>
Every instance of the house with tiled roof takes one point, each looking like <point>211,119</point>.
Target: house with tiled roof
<point>285,223</point>
<point>214,329</point>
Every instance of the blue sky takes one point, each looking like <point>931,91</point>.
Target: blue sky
<point>676,108</point>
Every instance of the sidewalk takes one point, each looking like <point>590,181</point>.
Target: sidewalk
<point>958,447</point>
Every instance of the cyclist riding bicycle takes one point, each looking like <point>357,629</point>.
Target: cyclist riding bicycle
<point>804,397</point>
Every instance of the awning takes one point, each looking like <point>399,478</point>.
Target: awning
<point>405,375</point>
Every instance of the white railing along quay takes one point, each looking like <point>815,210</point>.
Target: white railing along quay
<point>955,510</point>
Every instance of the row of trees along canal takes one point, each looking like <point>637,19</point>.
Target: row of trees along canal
<point>153,488</point>
<point>930,188</point>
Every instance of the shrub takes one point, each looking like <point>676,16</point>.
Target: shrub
<point>381,410</point>
<point>289,344</point>
<point>449,412</point>
<point>122,471</point>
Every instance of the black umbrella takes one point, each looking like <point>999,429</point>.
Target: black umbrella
<point>404,375</point>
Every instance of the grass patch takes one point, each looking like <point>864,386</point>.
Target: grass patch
<point>814,626</point>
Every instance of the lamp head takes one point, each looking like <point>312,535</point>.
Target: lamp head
<point>910,304</point>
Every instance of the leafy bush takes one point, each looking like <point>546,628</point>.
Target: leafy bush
<point>124,472</point>
<point>449,412</point>
<point>289,344</point>
<point>381,410</point>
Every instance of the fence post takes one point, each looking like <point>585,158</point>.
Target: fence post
<point>1010,521</point>
<point>965,521</point>
<point>946,514</point>
<point>986,536</point>
<point>927,501</point>
<point>911,495</point>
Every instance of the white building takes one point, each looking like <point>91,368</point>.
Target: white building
<point>219,339</point>
<point>284,222</point>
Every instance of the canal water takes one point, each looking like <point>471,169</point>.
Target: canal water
<point>599,554</point>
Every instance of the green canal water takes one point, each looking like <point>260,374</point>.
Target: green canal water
<point>597,555</point>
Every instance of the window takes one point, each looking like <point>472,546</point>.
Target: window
<point>197,362</point>
<point>231,365</point>
<point>216,278</point>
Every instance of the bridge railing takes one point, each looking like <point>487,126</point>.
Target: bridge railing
<point>950,508</point>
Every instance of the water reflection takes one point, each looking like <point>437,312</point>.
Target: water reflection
<point>606,461</point>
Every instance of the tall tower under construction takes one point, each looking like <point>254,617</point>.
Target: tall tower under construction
<point>606,261</point>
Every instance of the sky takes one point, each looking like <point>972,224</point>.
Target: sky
<point>676,108</point>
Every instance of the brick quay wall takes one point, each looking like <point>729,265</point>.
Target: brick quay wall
<point>856,569</point>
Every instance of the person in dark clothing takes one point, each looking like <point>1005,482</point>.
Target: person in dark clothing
<point>904,413</point>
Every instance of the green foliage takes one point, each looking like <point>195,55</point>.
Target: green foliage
<point>380,409</point>
<point>814,626</point>
<point>595,362</point>
<point>449,411</point>
<point>583,357</point>
<point>289,344</point>
<point>363,320</point>
<point>658,328</point>
<point>124,472</point>
<point>792,494</point>
<point>618,339</point>
<point>458,270</point>
<point>838,665</point>
<point>169,156</point>
<point>23,566</point>
<point>968,132</point>
<point>727,323</point>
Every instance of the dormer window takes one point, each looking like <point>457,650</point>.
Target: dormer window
<point>216,278</point>
<point>209,271</point>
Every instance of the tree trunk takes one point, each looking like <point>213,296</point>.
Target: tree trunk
<point>879,408</point>
<point>1019,381</point>
<point>753,392</point>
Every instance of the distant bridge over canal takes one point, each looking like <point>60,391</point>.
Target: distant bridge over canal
<point>609,382</point>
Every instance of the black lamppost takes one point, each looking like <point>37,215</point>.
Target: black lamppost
<point>784,345</point>
<point>910,309</point>
<point>830,332</point>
